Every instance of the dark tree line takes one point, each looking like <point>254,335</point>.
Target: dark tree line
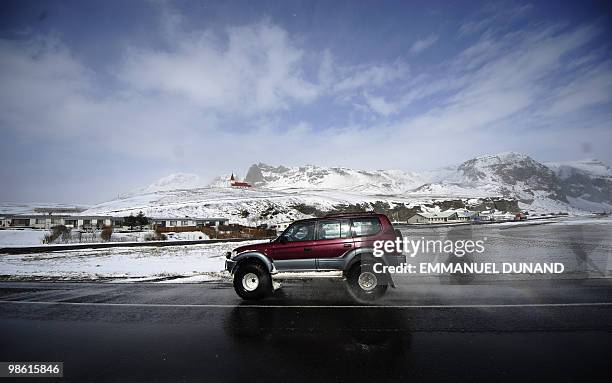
<point>136,220</point>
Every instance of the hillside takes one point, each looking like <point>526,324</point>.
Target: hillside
<point>283,193</point>
<point>334,178</point>
<point>174,181</point>
<point>587,183</point>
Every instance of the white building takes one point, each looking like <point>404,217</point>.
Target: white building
<point>48,221</point>
<point>280,227</point>
<point>427,218</point>
<point>464,215</point>
<point>486,215</point>
<point>496,215</point>
<point>195,223</point>
<point>91,222</point>
<point>503,216</point>
<point>447,216</point>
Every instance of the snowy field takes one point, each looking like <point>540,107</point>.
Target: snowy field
<point>191,263</point>
<point>255,206</point>
<point>583,245</point>
<point>17,238</point>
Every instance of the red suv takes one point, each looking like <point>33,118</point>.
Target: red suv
<point>342,242</point>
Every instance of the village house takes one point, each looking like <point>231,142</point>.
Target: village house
<point>281,226</point>
<point>187,223</point>
<point>97,222</point>
<point>503,216</point>
<point>447,216</point>
<point>464,215</point>
<point>48,221</point>
<point>485,215</point>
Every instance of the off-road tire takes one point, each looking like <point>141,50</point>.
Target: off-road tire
<point>252,281</point>
<point>360,293</point>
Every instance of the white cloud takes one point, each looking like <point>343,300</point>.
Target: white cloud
<point>510,78</point>
<point>422,44</point>
<point>42,83</point>
<point>494,16</point>
<point>379,105</point>
<point>592,86</point>
<point>369,75</point>
<point>253,69</point>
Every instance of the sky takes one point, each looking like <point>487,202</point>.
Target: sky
<point>99,98</point>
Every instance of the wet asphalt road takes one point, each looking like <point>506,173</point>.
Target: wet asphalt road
<point>311,331</point>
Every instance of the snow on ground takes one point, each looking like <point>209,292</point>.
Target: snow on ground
<point>132,236</point>
<point>255,206</point>
<point>541,204</point>
<point>198,262</point>
<point>585,205</point>
<point>232,203</point>
<point>187,236</point>
<point>567,240</point>
<point>586,220</point>
<point>17,238</point>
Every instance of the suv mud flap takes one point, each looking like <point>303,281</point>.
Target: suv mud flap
<point>389,280</point>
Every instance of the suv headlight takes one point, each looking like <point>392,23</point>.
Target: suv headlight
<point>231,254</point>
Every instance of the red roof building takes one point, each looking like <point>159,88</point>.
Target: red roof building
<point>238,184</point>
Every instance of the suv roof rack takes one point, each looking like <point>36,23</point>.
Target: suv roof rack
<point>350,214</point>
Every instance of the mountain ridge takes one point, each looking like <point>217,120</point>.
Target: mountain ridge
<point>507,174</point>
<point>575,186</point>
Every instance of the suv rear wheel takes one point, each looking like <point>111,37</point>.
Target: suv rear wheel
<point>252,281</point>
<point>364,284</point>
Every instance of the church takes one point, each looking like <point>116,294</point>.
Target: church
<point>238,184</point>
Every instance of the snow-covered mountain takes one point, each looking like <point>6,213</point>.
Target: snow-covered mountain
<point>333,178</point>
<point>511,175</point>
<point>174,181</point>
<point>582,184</point>
<point>508,174</point>
<point>586,183</point>
<point>284,193</point>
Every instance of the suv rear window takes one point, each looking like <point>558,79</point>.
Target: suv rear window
<point>363,227</point>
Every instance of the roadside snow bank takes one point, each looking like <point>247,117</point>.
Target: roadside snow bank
<point>18,238</point>
<point>139,262</point>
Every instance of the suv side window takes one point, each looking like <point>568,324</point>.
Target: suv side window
<point>300,231</point>
<point>334,229</point>
<point>363,227</point>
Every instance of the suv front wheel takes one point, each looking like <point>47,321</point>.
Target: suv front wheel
<point>252,281</point>
<point>364,284</point>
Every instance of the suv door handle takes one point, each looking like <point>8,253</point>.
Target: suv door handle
<point>348,245</point>
<point>307,249</point>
